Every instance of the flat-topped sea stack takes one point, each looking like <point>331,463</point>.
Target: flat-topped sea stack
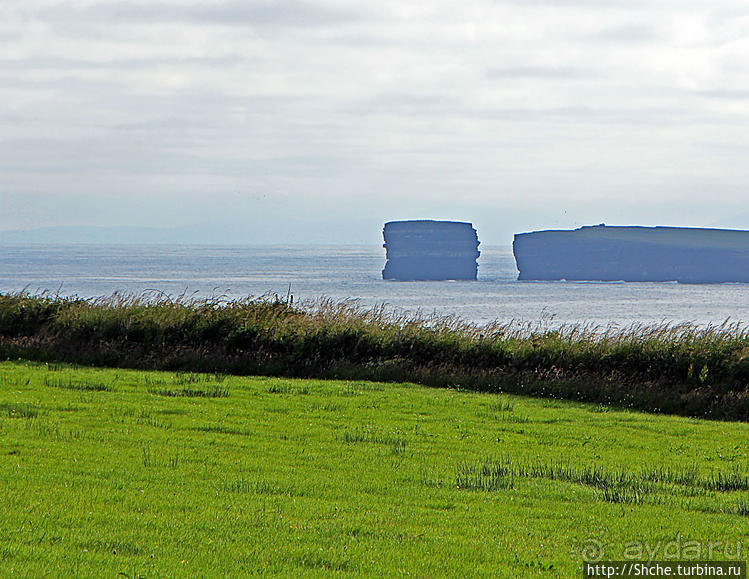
<point>430,250</point>
<point>656,254</point>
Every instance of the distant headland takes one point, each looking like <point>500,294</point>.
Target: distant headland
<point>646,254</point>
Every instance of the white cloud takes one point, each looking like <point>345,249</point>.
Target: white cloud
<point>568,108</point>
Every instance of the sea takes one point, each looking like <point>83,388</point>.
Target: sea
<point>353,273</point>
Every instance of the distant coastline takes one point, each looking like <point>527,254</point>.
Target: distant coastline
<point>634,254</point>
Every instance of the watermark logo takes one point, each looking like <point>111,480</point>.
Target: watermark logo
<point>595,549</point>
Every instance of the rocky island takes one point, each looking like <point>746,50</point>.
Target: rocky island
<point>655,254</point>
<point>430,250</point>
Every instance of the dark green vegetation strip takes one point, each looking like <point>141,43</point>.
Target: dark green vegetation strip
<point>616,486</point>
<point>674,369</point>
<point>291,478</point>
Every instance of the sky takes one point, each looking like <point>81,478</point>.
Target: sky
<point>317,121</point>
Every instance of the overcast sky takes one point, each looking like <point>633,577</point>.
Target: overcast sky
<point>318,121</point>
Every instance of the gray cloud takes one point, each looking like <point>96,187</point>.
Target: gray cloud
<point>626,33</point>
<point>228,13</point>
<point>725,94</point>
<point>539,72</point>
<point>52,63</point>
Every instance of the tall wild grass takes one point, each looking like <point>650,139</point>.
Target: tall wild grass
<point>675,368</point>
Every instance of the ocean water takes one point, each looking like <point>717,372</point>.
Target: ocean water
<point>354,272</point>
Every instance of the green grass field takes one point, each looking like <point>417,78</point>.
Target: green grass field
<point>153,474</point>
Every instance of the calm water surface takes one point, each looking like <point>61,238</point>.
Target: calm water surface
<point>353,272</point>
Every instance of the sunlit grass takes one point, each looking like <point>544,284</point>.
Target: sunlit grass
<point>305,477</point>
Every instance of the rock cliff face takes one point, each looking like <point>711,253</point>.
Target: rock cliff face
<point>601,253</point>
<point>430,250</point>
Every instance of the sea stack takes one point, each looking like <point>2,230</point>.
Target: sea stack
<point>652,254</point>
<point>430,250</point>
